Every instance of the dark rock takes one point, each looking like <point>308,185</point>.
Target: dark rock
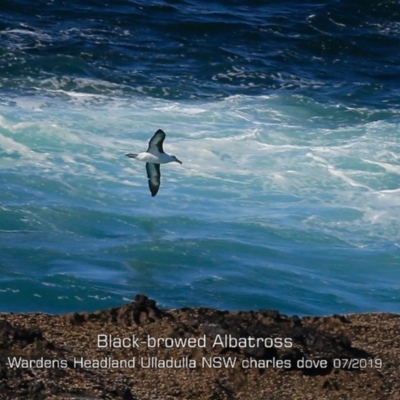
<point>10,334</point>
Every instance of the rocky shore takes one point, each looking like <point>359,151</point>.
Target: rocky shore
<point>139,351</point>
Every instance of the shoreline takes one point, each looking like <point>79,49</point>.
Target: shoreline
<point>139,351</point>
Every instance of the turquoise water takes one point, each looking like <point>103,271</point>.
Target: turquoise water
<point>264,212</point>
<point>289,192</point>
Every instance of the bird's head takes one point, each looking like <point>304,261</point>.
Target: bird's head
<point>176,160</point>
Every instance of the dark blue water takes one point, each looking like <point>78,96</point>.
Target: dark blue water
<point>333,51</point>
<point>286,118</point>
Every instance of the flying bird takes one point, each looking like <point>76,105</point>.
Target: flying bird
<point>153,157</point>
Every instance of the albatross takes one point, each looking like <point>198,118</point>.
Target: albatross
<point>153,157</point>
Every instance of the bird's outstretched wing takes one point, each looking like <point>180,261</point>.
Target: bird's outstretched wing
<point>154,176</point>
<point>156,142</point>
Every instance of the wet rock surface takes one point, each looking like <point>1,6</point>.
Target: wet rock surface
<point>144,352</point>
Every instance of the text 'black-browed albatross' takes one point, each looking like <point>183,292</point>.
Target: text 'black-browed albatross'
<point>153,157</point>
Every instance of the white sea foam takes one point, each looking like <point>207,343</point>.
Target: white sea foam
<point>255,178</point>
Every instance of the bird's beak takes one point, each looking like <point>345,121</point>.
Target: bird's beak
<point>178,161</point>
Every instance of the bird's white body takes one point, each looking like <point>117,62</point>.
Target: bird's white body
<point>155,157</point>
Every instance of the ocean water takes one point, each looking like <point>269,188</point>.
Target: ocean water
<point>286,117</point>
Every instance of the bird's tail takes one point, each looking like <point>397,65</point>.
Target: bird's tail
<point>131,155</point>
